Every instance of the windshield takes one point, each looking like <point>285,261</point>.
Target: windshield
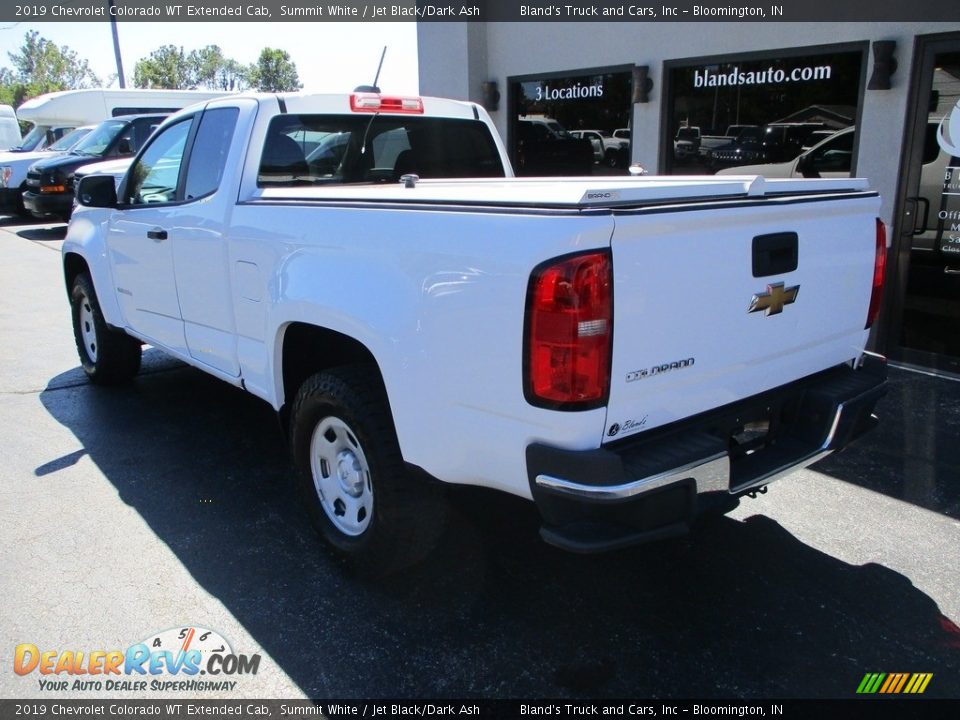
<point>33,139</point>
<point>69,140</point>
<point>750,136</point>
<point>687,134</point>
<point>318,149</point>
<point>99,139</point>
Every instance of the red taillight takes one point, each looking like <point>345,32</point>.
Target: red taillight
<point>569,332</point>
<point>371,102</point>
<point>879,271</point>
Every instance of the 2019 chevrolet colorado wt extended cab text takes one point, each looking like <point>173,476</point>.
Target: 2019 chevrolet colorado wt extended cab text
<point>627,353</point>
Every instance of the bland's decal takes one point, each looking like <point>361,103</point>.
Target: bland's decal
<point>948,135</point>
<point>627,427</point>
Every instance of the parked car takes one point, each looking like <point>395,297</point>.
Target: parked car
<point>776,142</point>
<point>610,151</point>
<point>545,147</point>
<point>50,183</point>
<point>491,332</point>
<point>55,114</point>
<point>711,142</point>
<point>14,167</point>
<point>831,157</point>
<point>686,144</point>
<point>816,137</point>
<point>9,128</point>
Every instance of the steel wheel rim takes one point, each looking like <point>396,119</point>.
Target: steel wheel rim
<point>341,476</point>
<point>88,328</point>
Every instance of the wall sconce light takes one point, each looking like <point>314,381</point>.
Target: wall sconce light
<point>642,84</point>
<point>490,94</point>
<point>884,64</point>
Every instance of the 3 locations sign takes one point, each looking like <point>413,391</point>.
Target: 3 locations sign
<point>575,124</point>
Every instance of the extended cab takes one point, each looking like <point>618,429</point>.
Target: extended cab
<point>627,353</point>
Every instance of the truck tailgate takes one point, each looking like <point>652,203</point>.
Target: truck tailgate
<point>710,307</point>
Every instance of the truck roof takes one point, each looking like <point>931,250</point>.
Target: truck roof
<point>309,103</point>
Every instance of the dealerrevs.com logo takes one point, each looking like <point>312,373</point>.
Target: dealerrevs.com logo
<point>188,659</point>
<point>894,683</point>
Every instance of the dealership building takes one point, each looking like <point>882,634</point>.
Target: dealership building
<point>879,100</point>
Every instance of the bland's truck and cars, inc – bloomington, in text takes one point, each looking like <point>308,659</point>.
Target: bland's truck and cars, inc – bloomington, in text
<point>629,353</point>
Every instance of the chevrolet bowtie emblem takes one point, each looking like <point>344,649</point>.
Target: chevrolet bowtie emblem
<point>773,300</point>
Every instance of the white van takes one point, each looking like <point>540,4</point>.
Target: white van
<point>9,128</point>
<point>56,113</point>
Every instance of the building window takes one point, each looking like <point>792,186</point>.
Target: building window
<point>777,116</point>
<point>573,123</point>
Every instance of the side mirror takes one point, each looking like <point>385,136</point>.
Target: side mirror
<point>807,166</point>
<point>97,191</point>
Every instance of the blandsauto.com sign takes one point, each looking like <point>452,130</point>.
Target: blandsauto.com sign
<point>767,76</point>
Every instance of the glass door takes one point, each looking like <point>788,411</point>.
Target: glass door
<point>924,322</point>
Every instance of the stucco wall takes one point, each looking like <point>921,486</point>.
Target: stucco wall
<point>455,58</point>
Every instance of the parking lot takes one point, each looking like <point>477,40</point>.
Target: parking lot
<point>167,503</point>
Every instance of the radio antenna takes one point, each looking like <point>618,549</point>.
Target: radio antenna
<point>376,78</point>
<point>373,88</point>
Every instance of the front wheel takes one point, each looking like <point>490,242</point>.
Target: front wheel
<point>352,476</point>
<point>108,356</point>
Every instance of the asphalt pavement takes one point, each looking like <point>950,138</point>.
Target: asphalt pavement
<point>126,512</point>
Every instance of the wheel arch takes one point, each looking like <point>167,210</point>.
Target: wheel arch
<point>307,349</point>
<point>73,265</point>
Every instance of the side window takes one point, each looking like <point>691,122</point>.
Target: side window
<point>142,130</point>
<point>835,155</point>
<point>154,177</point>
<point>388,146</point>
<point>209,155</point>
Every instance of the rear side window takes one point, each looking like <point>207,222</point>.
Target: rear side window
<point>208,158</point>
<point>318,149</point>
<point>155,176</point>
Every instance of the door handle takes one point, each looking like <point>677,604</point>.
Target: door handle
<point>916,214</point>
<point>157,234</point>
<point>922,202</point>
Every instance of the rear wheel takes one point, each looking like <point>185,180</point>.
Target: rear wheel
<point>108,356</point>
<point>352,476</point>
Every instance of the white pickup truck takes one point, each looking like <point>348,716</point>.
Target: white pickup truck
<point>627,353</point>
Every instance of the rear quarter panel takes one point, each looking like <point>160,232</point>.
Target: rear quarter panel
<point>438,297</point>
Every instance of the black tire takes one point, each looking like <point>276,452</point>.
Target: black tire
<point>21,209</point>
<point>378,517</point>
<point>108,356</point>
